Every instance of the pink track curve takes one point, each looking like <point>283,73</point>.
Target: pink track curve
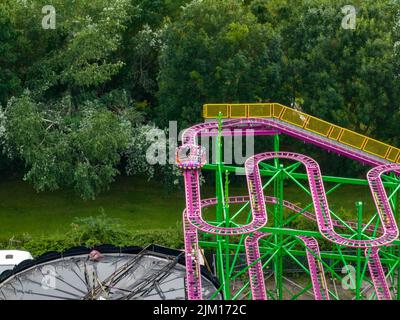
<point>316,268</point>
<point>377,274</point>
<point>256,274</point>
<point>190,135</point>
<point>324,221</point>
<point>323,218</point>
<point>321,207</point>
<point>252,253</point>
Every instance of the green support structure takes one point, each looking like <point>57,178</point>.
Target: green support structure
<point>278,222</point>
<point>359,206</point>
<point>282,250</point>
<point>221,216</point>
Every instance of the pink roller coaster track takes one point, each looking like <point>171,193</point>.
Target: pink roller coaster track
<point>193,220</point>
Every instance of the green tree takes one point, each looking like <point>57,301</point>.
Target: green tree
<point>216,51</point>
<point>9,41</point>
<point>88,82</point>
<point>343,75</point>
<point>80,152</point>
<point>78,56</point>
<point>140,48</point>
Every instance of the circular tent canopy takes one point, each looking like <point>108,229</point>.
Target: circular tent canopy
<point>106,273</point>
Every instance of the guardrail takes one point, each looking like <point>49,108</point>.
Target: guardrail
<point>306,122</point>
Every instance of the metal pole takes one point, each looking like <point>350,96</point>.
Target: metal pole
<point>226,243</point>
<point>220,211</point>
<point>359,206</point>
<point>278,219</point>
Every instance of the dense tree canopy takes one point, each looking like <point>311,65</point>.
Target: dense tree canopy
<point>346,76</point>
<point>217,52</point>
<point>9,41</point>
<point>78,100</point>
<point>63,152</point>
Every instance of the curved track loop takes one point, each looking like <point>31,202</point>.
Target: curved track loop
<point>321,207</point>
<point>192,189</point>
<point>256,274</point>
<point>324,221</point>
<point>325,224</point>
<point>377,274</point>
<point>193,278</point>
<point>191,134</point>
<point>193,274</point>
<point>288,205</point>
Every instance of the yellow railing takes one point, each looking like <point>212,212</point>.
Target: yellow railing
<point>304,121</point>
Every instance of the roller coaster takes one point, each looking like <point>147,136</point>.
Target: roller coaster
<point>269,246</point>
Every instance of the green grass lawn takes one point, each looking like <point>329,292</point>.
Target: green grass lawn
<point>135,202</point>
<point>138,204</point>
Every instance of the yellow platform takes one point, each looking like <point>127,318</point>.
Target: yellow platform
<point>306,122</point>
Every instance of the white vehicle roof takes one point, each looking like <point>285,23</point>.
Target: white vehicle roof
<point>13,257</point>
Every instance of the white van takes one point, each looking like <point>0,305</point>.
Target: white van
<point>10,258</point>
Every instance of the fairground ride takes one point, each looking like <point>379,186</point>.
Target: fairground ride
<point>255,236</point>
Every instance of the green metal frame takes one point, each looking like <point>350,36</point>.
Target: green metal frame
<point>283,246</point>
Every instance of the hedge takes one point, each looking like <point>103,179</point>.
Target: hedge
<point>93,231</point>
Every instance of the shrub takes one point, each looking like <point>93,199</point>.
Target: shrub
<point>91,231</point>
